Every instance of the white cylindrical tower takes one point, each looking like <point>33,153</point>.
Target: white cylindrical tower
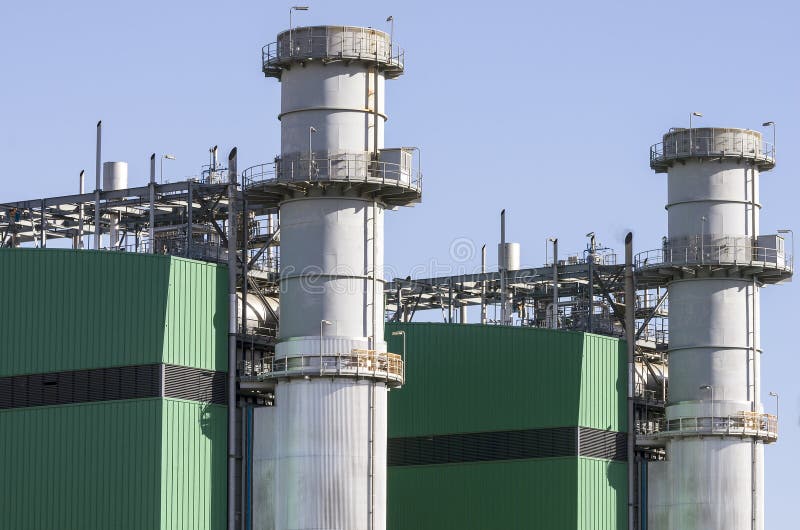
<point>715,264</point>
<point>332,182</point>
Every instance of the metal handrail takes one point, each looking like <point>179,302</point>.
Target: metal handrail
<point>743,423</point>
<point>707,144</point>
<point>343,43</point>
<point>359,363</point>
<point>335,168</point>
<point>714,254</point>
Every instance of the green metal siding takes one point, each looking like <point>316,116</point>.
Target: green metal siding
<point>526,494</point>
<point>81,467</point>
<point>603,384</point>
<point>153,463</point>
<point>472,378</point>
<point>193,470</point>
<point>602,495</point>
<point>73,310</point>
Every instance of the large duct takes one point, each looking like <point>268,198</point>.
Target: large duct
<point>332,182</point>
<point>714,265</point>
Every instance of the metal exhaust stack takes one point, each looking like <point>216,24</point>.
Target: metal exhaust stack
<point>715,264</point>
<point>333,182</point>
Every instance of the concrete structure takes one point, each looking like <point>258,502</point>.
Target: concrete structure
<point>715,263</point>
<point>322,453</point>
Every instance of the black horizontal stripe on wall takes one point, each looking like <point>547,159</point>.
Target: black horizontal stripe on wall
<point>506,445</point>
<point>608,445</point>
<point>111,384</point>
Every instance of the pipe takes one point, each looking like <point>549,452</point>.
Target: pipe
<point>232,313</point>
<point>483,285</point>
<point>630,310</point>
<point>43,222</point>
<point>152,186</point>
<point>189,220</point>
<point>375,108</point>
<point>502,267</point>
<point>79,241</point>
<point>97,186</point>
<point>462,314</point>
<point>554,316</point>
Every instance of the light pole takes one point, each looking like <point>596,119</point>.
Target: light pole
<point>311,130</point>
<point>390,20</point>
<point>703,238</point>
<point>293,8</point>
<point>791,233</point>
<point>711,388</point>
<point>777,404</point>
<point>768,124</point>
<point>554,314</point>
<point>165,157</point>
<point>322,324</point>
<point>403,333</point>
<point>691,147</point>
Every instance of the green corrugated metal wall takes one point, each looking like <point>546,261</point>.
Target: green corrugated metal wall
<point>602,494</point>
<point>193,470</point>
<point>474,378</point>
<point>74,310</point>
<point>506,495</point>
<point>123,464</point>
<point>471,378</point>
<point>133,464</point>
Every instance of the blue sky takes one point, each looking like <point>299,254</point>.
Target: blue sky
<point>545,109</point>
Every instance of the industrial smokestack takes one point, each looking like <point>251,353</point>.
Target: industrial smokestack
<point>332,303</point>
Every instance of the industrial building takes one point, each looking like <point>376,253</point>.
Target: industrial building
<point>228,353</point>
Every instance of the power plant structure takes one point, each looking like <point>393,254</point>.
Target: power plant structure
<point>331,373</point>
<point>714,263</point>
<point>231,356</point>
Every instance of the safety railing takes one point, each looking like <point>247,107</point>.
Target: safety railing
<point>712,143</point>
<point>358,363</point>
<point>699,253</point>
<point>336,168</point>
<point>177,246</point>
<point>744,423</point>
<point>335,42</point>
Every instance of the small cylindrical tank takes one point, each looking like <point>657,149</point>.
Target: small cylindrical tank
<point>115,176</point>
<point>511,260</point>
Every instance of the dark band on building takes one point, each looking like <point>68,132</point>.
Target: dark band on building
<point>507,445</point>
<point>111,384</point>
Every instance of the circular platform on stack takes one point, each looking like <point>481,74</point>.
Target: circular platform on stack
<point>711,143</point>
<point>332,43</point>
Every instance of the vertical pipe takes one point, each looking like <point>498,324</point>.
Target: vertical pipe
<point>374,274</point>
<point>43,219</point>
<point>270,230</point>
<point>375,108</point>
<point>554,316</point>
<point>483,285</point>
<point>630,310</point>
<point>189,220</point>
<point>81,187</point>
<point>590,316</point>
<point>245,260</point>
<point>232,312</point>
<point>152,186</point>
<point>97,186</point>
<point>502,267</point>
<point>462,314</point>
